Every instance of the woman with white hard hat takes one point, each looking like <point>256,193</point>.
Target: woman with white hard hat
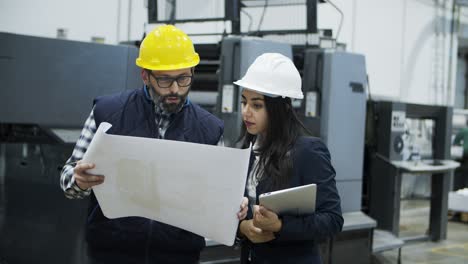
<point>284,157</point>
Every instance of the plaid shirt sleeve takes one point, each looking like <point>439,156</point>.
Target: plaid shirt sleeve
<point>67,181</point>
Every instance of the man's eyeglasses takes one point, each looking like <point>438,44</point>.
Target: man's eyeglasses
<point>166,82</point>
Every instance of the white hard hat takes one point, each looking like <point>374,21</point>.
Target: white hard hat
<point>273,74</point>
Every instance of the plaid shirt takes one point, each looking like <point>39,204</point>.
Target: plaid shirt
<point>67,181</point>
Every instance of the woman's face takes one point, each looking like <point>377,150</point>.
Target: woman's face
<point>254,112</point>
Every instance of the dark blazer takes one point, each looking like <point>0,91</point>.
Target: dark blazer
<point>297,241</point>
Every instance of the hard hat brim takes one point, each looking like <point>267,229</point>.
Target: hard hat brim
<point>261,90</point>
<point>166,67</point>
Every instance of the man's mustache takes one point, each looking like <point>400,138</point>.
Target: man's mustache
<point>172,96</point>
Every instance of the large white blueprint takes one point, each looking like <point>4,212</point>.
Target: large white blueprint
<point>195,187</point>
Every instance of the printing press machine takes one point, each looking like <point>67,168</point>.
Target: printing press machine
<point>47,88</point>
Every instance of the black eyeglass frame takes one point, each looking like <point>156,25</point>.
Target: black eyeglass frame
<point>177,79</point>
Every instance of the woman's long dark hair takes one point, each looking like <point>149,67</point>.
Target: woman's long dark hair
<point>283,129</point>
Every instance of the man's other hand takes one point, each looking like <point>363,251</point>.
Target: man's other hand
<point>83,179</point>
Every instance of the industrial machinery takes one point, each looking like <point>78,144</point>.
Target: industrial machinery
<point>334,108</point>
<point>47,87</point>
<point>171,12</point>
<point>386,164</point>
<point>334,85</point>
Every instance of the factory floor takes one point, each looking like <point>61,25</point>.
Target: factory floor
<point>414,221</point>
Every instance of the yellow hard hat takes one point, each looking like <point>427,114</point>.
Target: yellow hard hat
<point>167,48</point>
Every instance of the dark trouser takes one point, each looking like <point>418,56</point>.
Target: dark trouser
<point>460,179</point>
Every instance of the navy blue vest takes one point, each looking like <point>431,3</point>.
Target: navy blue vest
<point>131,239</point>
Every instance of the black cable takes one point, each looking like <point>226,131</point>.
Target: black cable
<point>172,13</point>
<point>341,20</point>
<point>250,19</point>
<point>263,15</point>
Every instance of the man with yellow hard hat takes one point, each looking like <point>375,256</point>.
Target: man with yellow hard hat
<point>162,110</point>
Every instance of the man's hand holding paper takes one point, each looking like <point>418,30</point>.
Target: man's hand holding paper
<point>145,177</point>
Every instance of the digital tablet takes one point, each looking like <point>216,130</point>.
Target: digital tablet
<point>298,200</point>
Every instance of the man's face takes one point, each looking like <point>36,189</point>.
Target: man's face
<point>170,87</point>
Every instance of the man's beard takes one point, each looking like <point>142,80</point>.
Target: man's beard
<point>173,107</point>
<point>161,100</point>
